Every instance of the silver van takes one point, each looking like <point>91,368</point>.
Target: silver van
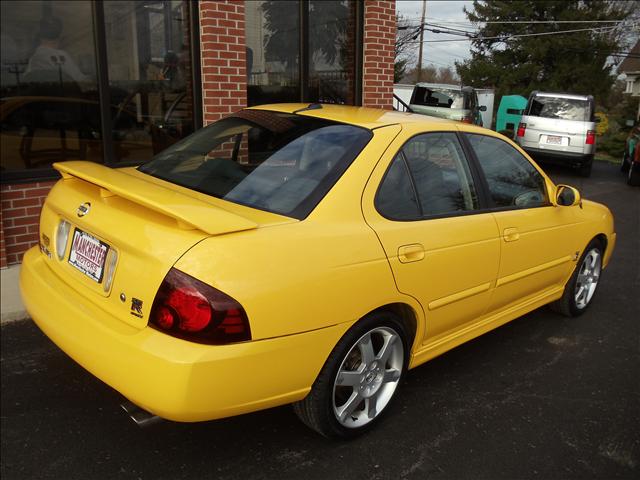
<point>447,101</point>
<point>561,128</point>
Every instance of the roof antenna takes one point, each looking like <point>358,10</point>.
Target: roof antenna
<point>311,106</point>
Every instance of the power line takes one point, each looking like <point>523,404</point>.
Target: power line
<point>507,37</point>
<point>467,22</point>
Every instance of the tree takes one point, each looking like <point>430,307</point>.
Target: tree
<point>432,74</point>
<point>405,35</point>
<point>577,62</point>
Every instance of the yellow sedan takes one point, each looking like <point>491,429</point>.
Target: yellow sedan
<point>304,254</point>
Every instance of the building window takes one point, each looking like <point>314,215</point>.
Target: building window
<point>303,51</point>
<point>109,82</point>
<point>629,86</point>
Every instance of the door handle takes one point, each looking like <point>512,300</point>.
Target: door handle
<point>510,234</point>
<point>410,253</point>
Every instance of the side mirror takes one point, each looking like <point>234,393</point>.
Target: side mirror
<point>483,108</point>
<point>567,196</point>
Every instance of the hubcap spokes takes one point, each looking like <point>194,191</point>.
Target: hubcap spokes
<point>368,377</point>
<point>588,276</point>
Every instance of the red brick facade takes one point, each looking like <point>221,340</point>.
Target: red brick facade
<point>223,51</point>
<point>224,91</point>
<point>21,206</point>
<point>378,53</point>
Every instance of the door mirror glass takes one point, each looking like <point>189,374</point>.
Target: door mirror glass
<point>567,196</point>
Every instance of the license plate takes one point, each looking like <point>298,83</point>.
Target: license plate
<point>554,139</point>
<point>88,255</point>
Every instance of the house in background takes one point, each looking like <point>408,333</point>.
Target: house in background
<point>115,82</point>
<point>631,68</point>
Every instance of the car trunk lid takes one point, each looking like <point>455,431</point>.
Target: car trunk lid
<point>148,226</point>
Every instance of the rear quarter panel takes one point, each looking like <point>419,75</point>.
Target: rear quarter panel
<point>325,270</point>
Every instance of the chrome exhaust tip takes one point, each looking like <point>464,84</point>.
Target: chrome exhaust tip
<point>139,415</point>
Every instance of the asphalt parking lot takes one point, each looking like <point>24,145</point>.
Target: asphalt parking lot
<point>542,397</point>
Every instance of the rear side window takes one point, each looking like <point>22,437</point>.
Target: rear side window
<point>559,108</point>
<point>435,171</point>
<point>512,180</point>
<point>396,197</point>
<point>278,162</point>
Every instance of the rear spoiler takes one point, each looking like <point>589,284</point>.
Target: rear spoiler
<point>190,213</point>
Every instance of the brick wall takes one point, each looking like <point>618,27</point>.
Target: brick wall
<point>20,216</point>
<point>378,53</point>
<point>223,51</point>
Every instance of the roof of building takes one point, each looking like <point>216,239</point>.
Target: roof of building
<point>631,64</point>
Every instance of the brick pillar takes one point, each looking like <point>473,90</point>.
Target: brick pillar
<point>3,250</point>
<point>21,205</point>
<point>223,51</point>
<point>378,53</point>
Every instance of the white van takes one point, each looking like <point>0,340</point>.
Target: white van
<point>559,127</point>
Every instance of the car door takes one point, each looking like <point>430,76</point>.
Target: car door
<point>538,245</point>
<point>423,203</point>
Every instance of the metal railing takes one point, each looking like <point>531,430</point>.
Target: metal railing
<point>399,105</point>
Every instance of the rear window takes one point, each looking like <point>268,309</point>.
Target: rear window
<point>560,108</point>
<point>439,97</point>
<point>278,162</point>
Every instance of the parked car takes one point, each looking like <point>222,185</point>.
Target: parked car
<point>631,158</point>
<point>561,128</point>
<point>305,255</point>
<point>452,102</point>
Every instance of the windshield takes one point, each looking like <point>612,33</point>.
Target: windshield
<point>438,97</point>
<point>278,162</point>
<point>560,108</point>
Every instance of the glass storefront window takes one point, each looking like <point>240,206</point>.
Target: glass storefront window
<point>273,51</point>
<point>49,108</point>
<point>332,28</point>
<point>61,60</point>
<point>148,54</point>
<point>302,51</point>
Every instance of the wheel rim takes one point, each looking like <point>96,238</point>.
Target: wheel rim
<point>588,277</point>
<point>368,377</point>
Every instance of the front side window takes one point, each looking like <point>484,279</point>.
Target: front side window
<point>278,162</point>
<point>439,176</point>
<point>512,180</point>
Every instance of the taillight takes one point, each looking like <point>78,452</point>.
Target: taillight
<point>521,129</point>
<point>466,120</point>
<point>190,309</point>
<point>591,137</point>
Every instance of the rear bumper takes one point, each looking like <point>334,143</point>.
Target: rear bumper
<point>562,158</point>
<point>173,378</point>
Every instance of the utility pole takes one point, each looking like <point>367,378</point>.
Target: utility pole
<point>424,11</point>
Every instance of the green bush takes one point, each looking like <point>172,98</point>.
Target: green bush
<point>612,144</point>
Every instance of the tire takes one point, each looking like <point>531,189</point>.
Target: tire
<point>633,177</point>
<point>359,379</point>
<point>585,170</point>
<point>624,167</point>
<point>582,286</point>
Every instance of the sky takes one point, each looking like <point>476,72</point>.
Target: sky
<point>441,54</point>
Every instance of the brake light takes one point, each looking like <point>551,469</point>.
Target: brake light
<point>466,120</point>
<point>521,129</point>
<point>187,308</point>
<point>591,137</point>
